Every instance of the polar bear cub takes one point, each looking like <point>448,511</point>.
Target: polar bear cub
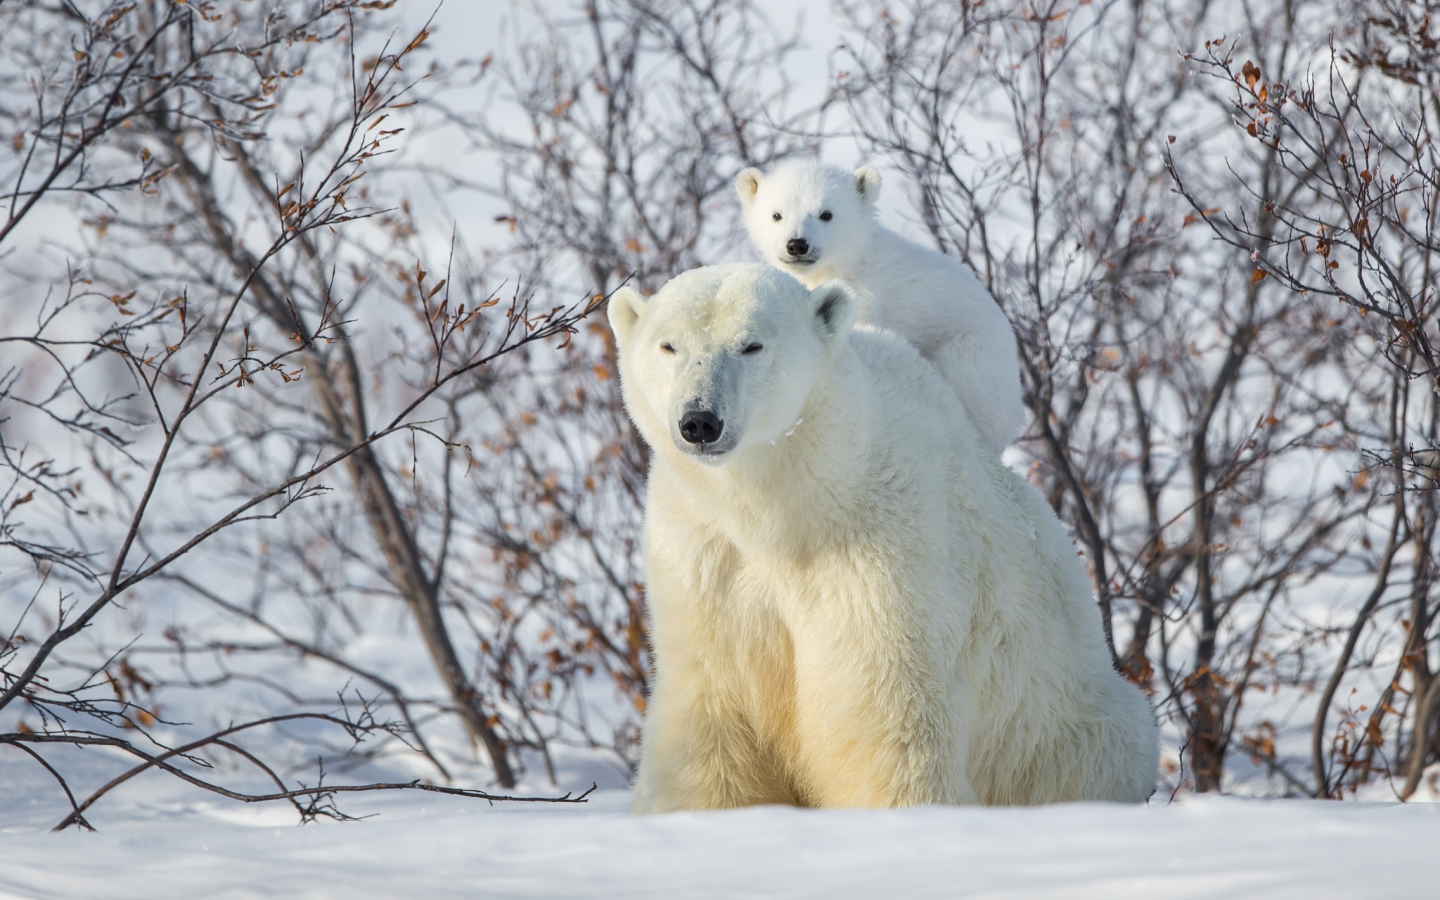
<point>818,222</point>
<point>853,602</point>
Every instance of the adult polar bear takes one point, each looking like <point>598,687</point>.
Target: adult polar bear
<point>853,604</point>
<point>818,223</point>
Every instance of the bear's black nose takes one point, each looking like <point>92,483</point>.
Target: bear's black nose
<point>797,246</point>
<point>699,427</point>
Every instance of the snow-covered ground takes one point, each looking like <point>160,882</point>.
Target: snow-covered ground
<point>424,846</point>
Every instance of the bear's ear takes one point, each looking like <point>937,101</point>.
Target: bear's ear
<point>747,183</point>
<point>835,307</point>
<point>867,184</point>
<point>624,310</point>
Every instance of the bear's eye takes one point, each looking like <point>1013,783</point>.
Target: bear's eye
<point>753,348</point>
<point>826,216</point>
<point>667,348</point>
<point>775,216</point>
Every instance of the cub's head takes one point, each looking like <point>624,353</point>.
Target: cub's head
<point>806,217</point>
<point>723,358</point>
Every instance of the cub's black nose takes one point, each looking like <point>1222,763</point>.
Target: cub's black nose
<point>698,427</point>
<point>797,246</point>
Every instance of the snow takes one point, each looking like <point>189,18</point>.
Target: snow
<point>1196,848</point>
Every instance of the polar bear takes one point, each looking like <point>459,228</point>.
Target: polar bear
<point>818,222</point>
<point>852,602</point>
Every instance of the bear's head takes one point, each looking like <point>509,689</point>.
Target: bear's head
<point>723,358</point>
<point>808,218</point>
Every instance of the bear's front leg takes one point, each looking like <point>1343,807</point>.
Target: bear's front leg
<point>875,704</point>
<point>702,746</point>
<point>698,753</point>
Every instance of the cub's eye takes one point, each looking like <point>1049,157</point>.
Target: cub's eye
<point>826,216</point>
<point>752,349</point>
<point>775,216</point>
<point>667,348</point>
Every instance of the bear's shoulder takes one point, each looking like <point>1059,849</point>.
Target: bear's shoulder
<point>889,355</point>
<point>895,367</point>
<point>910,394</point>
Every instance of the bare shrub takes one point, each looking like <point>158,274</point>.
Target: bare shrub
<point>1346,219</point>
<point>222,200</point>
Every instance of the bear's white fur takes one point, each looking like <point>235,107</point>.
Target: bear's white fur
<point>853,603</point>
<point>933,301</point>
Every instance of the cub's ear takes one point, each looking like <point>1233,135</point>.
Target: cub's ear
<point>626,305</point>
<point>867,184</point>
<point>835,306</point>
<point>747,183</point>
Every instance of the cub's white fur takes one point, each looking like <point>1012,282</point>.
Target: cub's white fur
<point>933,301</point>
<point>853,603</point>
